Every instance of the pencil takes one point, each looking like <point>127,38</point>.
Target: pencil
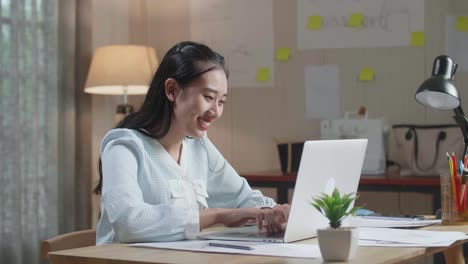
<point>464,179</point>
<point>454,181</point>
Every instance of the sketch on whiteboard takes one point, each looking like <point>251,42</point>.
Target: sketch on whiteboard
<point>244,36</point>
<point>395,16</point>
<point>386,23</point>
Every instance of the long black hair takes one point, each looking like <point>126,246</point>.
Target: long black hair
<point>184,62</point>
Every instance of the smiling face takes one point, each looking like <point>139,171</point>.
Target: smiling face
<point>199,104</point>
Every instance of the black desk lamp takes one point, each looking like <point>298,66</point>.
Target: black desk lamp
<point>440,92</point>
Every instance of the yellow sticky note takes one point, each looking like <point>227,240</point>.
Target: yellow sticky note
<point>314,23</point>
<point>366,74</point>
<point>263,74</point>
<point>282,54</point>
<point>417,39</point>
<point>355,20</point>
<point>461,24</point>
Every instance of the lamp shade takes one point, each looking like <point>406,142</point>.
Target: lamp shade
<point>121,69</point>
<point>439,91</point>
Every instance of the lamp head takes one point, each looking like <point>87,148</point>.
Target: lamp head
<point>439,91</point>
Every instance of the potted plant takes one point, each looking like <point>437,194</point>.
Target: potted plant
<point>337,243</point>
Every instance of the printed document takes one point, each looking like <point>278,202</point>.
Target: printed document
<point>387,222</point>
<point>407,237</point>
<point>258,248</point>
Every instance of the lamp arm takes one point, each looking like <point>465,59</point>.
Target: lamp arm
<point>462,122</point>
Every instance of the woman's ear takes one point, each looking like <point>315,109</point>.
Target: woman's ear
<point>171,89</point>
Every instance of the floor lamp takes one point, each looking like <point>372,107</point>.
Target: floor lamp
<point>121,70</point>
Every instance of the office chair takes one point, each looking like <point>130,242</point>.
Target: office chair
<point>83,238</point>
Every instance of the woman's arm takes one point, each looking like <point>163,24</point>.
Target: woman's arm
<point>225,187</point>
<point>228,217</point>
<point>271,219</point>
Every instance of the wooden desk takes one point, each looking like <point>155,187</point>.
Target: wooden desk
<point>282,183</point>
<point>122,253</point>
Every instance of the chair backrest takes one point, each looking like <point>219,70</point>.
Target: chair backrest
<point>83,238</point>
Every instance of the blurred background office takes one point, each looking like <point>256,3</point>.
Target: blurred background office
<point>370,53</point>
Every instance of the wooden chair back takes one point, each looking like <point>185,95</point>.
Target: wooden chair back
<point>83,238</point>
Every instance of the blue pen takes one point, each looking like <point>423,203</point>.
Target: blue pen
<point>215,244</point>
<point>462,167</point>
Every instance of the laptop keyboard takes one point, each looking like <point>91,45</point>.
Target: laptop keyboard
<point>255,235</point>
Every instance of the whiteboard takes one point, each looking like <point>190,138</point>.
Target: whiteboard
<point>456,44</point>
<point>386,23</point>
<point>242,31</point>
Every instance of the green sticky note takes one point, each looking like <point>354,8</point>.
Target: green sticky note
<point>355,20</point>
<point>282,54</point>
<point>366,74</point>
<point>314,23</point>
<point>461,24</point>
<point>263,74</point>
<point>417,39</point>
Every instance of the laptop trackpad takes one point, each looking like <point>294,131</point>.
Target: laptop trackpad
<point>249,233</point>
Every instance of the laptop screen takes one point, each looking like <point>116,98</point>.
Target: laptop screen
<point>325,164</point>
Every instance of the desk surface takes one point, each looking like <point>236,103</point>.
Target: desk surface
<point>122,253</point>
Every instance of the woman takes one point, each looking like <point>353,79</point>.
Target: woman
<point>161,177</point>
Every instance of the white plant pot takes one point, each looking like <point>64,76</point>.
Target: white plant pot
<point>338,244</point>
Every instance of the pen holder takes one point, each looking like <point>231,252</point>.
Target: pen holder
<point>450,212</point>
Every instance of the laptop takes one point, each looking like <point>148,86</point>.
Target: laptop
<point>325,164</point>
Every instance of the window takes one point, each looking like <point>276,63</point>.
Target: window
<point>28,127</point>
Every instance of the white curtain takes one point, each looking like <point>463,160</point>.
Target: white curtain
<point>29,125</point>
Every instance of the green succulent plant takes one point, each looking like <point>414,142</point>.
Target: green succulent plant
<point>335,207</point>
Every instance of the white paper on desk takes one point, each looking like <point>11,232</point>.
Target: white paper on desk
<point>260,248</point>
<point>367,222</point>
<point>377,243</point>
<point>409,236</point>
